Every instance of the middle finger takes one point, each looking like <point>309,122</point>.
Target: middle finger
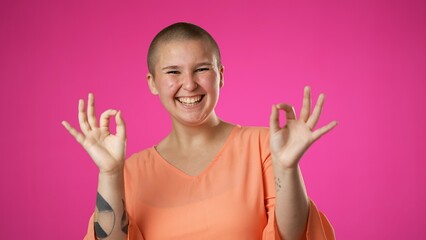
<point>91,115</point>
<point>313,119</point>
<point>306,107</point>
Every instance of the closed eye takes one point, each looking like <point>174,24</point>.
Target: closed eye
<point>173,72</point>
<point>202,69</point>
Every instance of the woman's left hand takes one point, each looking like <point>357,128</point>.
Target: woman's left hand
<point>289,143</point>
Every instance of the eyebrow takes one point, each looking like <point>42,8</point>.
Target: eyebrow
<point>176,67</point>
<point>170,67</point>
<point>204,64</point>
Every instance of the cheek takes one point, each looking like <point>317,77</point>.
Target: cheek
<point>210,81</point>
<point>168,86</point>
<point>172,86</point>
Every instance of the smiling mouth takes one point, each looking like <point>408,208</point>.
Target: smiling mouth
<point>190,101</point>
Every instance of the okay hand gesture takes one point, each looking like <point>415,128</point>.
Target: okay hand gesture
<point>108,151</point>
<point>289,143</point>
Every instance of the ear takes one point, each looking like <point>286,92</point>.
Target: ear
<point>221,82</point>
<point>151,84</point>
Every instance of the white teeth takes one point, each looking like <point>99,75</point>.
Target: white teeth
<point>189,100</point>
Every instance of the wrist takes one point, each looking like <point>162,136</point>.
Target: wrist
<point>286,171</point>
<point>288,165</point>
<point>110,180</point>
<point>113,173</point>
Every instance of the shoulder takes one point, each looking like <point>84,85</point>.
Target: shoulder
<point>141,157</point>
<point>253,133</point>
<point>253,137</point>
<point>139,164</point>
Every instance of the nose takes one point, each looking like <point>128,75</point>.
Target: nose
<point>189,83</point>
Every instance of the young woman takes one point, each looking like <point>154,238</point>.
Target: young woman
<point>208,179</point>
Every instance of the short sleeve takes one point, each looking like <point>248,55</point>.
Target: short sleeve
<point>318,226</point>
<point>271,230</point>
<point>134,233</point>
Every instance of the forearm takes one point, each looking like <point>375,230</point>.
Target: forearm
<point>111,219</point>
<point>291,204</point>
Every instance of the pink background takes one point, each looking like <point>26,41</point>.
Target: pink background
<point>367,56</point>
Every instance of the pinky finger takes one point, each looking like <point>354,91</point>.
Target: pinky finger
<point>77,135</point>
<point>321,131</point>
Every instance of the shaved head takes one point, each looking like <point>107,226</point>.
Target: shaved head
<point>178,32</point>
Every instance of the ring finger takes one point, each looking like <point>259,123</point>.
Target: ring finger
<point>82,117</point>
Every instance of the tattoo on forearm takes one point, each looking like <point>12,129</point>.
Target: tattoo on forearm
<point>105,210</point>
<point>124,220</point>
<point>277,184</point>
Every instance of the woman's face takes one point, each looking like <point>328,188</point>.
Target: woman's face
<point>187,78</point>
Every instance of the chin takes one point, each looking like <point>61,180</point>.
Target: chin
<point>196,121</point>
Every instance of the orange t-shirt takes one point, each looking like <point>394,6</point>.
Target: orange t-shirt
<point>233,198</point>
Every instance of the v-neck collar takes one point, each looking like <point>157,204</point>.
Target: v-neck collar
<point>206,169</point>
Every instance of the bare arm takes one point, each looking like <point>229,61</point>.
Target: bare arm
<point>108,153</point>
<point>288,144</point>
<point>291,204</point>
<point>111,219</point>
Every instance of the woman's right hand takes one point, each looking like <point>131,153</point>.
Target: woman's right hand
<point>108,151</point>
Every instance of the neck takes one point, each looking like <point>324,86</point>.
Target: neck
<point>184,136</point>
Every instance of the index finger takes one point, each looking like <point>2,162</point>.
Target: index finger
<point>289,111</point>
<point>274,120</point>
<point>104,121</point>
